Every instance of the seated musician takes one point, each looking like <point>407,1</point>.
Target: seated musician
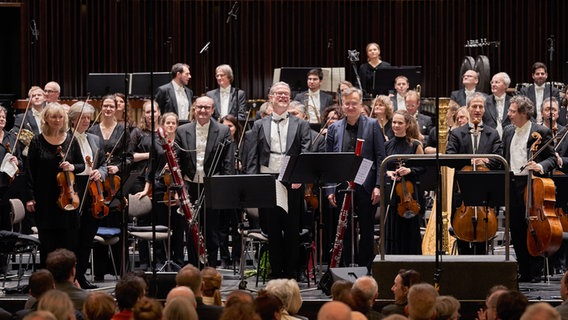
<point>424,121</point>
<point>470,139</point>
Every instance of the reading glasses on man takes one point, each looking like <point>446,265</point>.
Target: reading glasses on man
<point>203,107</point>
<point>282,93</point>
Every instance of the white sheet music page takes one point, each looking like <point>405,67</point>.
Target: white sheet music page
<point>283,167</point>
<point>363,171</point>
<point>281,195</point>
<point>8,167</point>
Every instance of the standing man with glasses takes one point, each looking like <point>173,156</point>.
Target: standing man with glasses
<point>52,91</point>
<point>175,96</point>
<point>273,138</point>
<point>198,141</point>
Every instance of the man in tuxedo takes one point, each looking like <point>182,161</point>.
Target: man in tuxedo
<point>200,142</point>
<point>517,142</point>
<point>175,96</point>
<point>228,99</point>
<point>470,80</point>
<point>412,100</point>
<point>342,137</point>
<point>538,91</point>
<point>470,139</point>
<point>497,104</point>
<point>33,119</point>
<point>272,138</point>
<point>314,99</point>
<point>401,86</point>
<point>52,91</point>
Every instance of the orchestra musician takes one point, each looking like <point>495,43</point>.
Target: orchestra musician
<point>549,109</point>
<point>314,99</point>
<point>463,140</point>
<point>368,70</point>
<point>199,142</point>
<point>403,233</point>
<point>7,139</point>
<point>272,138</point>
<point>342,137</point>
<point>227,99</point>
<point>80,115</point>
<point>175,96</point>
<point>424,122</point>
<point>401,86</point>
<point>470,79</point>
<point>495,115</point>
<point>517,141</point>
<point>383,112</point>
<point>57,228</point>
<point>539,90</point>
<point>52,91</point>
<point>118,157</point>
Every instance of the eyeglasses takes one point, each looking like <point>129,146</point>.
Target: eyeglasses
<point>203,107</point>
<point>282,93</point>
<point>50,91</point>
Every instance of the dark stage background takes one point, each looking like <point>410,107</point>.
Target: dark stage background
<point>77,37</point>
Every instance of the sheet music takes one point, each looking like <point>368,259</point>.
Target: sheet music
<point>281,196</point>
<point>363,171</point>
<point>7,166</point>
<point>283,167</point>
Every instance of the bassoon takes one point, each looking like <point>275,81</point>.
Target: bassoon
<point>184,202</point>
<point>342,221</point>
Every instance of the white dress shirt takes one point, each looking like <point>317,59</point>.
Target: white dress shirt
<point>278,134</point>
<point>519,150</point>
<point>85,151</point>
<point>225,96</point>
<point>201,134</point>
<point>182,101</point>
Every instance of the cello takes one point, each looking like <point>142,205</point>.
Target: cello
<point>466,218</point>
<point>544,231</point>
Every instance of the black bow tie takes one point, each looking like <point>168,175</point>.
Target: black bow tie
<point>479,128</point>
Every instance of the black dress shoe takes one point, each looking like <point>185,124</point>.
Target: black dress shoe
<point>85,284</point>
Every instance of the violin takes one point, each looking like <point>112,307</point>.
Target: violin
<point>544,232</point>
<point>111,185</point>
<point>170,194</point>
<point>310,198</point>
<point>99,209</point>
<point>68,199</point>
<point>407,206</point>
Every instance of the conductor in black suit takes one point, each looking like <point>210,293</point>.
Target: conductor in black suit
<point>314,99</point>
<point>475,137</point>
<point>272,138</point>
<point>175,96</point>
<point>538,91</point>
<point>228,99</point>
<point>517,141</point>
<point>198,143</point>
<point>497,103</point>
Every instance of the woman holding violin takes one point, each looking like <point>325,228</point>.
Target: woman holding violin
<point>53,156</point>
<point>87,181</point>
<point>117,158</point>
<point>517,142</point>
<point>403,220</point>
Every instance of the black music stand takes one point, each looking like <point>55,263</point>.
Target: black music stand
<point>320,168</point>
<point>241,191</point>
<point>100,84</point>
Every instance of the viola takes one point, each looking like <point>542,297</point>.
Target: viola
<point>68,199</point>
<point>474,224</point>
<point>310,198</point>
<point>111,186</point>
<point>98,207</point>
<point>407,206</point>
<point>544,231</point>
<point>170,194</point>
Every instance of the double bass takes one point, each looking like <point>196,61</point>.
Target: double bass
<point>544,231</point>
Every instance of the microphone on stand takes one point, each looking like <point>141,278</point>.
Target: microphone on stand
<point>233,12</point>
<point>34,29</point>
<point>205,47</point>
<point>550,42</point>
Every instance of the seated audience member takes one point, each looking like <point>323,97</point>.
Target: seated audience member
<point>211,286</point>
<point>240,311</point>
<point>289,293</point>
<point>541,311</point>
<point>128,291</point>
<point>40,315</point>
<point>39,283</point>
<point>402,283</point>
<point>268,306</point>
<point>422,301</point>
<point>447,308</point>
<point>395,316</point>
<point>180,308</point>
<point>99,306</point>
<point>341,291</point>
<point>563,308</point>
<point>147,309</point>
<point>490,310</point>
<point>61,263</point>
<point>364,292</point>
<point>190,277</point>
<point>58,303</point>
<point>334,310</point>
<point>511,305</point>
<point>238,296</point>
<point>182,292</point>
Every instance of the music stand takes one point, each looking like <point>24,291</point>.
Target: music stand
<point>234,191</point>
<point>320,168</point>
<point>100,84</point>
<point>141,84</point>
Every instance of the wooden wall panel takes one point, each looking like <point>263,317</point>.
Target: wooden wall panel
<point>82,36</point>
